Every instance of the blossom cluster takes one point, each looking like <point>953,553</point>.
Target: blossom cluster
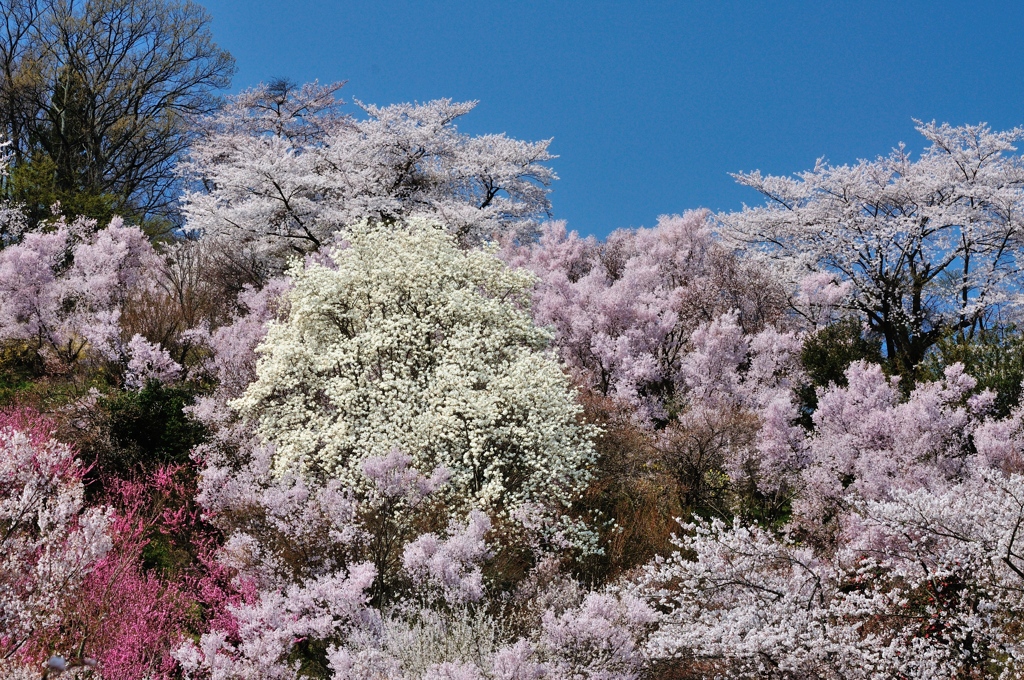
<point>404,340</point>
<point>286,170</point>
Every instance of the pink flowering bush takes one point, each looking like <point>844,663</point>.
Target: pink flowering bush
<point>674,336</point>
<point>148,361</point>
<point>600,638</point>
<point>732,443</point>
<point>868,441</point>
<point>358,585</point>
<point>624,310</point>
<point>451,566</point>
<point>128,616</point>
<point>315,579</point>
<point>232,347</point>
<point>62,291</point>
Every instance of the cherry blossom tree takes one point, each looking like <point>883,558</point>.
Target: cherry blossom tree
<point>927,584</point>
<point>148,361</point>
<point>868,441</point>
<point>280,170</point>
<point>232,349</point>
<point>310,556</point>
<point>62,291</point>
<point>672,338</point>
<point>738,602</point>
<point>903,557</point>
<point>624,310</point>
<point>294,548</point>
<point>49,540</point>
<point>929,247</point>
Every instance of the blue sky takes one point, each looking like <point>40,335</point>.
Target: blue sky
<point>652,104</point>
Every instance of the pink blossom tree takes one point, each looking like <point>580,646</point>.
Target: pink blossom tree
<point>148,361</point>
<point>305,560</point>
<point>232,347</point>
<point>62,291</point>
<point>624,310</point>
<point>869,441</point>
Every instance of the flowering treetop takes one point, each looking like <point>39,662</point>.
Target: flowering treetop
<point>403,340</point>
<point>282,170</point>
<point>929,246</point>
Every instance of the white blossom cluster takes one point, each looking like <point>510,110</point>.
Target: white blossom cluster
<point>281,171</point>
<point>918,247</point>
<point>928,584</point>
<point>403,340</point>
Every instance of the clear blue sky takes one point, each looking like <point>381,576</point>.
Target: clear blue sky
<point>652,104</point>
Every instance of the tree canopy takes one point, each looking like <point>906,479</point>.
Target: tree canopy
<point>930,246</point>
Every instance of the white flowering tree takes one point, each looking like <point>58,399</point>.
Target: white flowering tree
<point>280,170</point>
<point>49,539</point>
<point>927,585</point>
<point>402,340</point>
<point>928,246</point>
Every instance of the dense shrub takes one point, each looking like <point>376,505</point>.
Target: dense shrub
<point>149,428</point>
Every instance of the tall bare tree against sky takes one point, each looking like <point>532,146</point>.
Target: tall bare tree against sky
<point>97,97</point>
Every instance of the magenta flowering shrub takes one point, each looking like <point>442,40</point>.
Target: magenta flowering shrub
<point>129,617</point>
<point>123,614</point>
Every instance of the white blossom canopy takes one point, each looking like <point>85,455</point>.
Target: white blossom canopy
<point>403,340</point>
<point>281,170</point>
<point>930,246</point>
